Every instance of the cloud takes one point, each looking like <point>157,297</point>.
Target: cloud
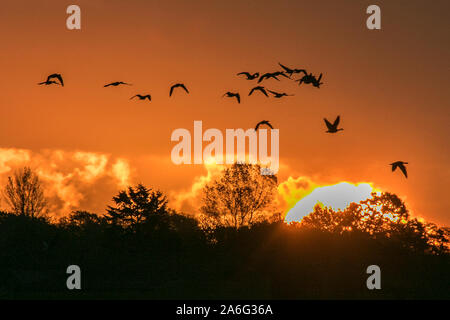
<point>292,190</point>
<point>189,200</point>
<point>72,180</point>
<point>78,180</point>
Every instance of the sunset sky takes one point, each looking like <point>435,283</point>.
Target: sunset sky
<point>390,87</point>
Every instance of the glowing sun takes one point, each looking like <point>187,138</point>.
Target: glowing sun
<point>337,196</point>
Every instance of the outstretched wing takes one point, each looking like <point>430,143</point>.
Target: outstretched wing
<point>262,77</point>
<point>133,97</point>
<point>246,73</point>
<point>273,92</point>
<point>184,87</point>
<point>258,124</point>
<point>251,91</point>
<point>57,76</point>
<point>329,125</point>
<point>268,123</point>
<point>171,90</point>
<point>336,122</point>
<point>394,166</point>
<point>285,68</point>
<point>149,97</point>
<point>238,97</point>
<point>403,168</point>
<point>263,91</point>
<point>107,85</point>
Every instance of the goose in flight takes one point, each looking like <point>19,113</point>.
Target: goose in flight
<point>249,75</point>
<point>266,122</point>
<point>274,75</point>
<point>233,95</point>
<point>333,128</point>
<point>267,76</point>
<point>290,71</point>
<point>49,82</point>
<point>279,95</point>
<point>141,97</point>
<point>177,85</point>
<point>115,84</point>
<point>401,165</point>
<point>316,82</point>
<point>260,88</point>
<point>56,76</point>
<point>310,78</point>
<point>279,73</point>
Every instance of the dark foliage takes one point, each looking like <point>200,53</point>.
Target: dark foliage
<point>142,249</point>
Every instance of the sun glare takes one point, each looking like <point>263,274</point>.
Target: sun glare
<point>337,196</point>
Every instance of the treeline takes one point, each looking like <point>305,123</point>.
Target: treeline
<point>140,248</point>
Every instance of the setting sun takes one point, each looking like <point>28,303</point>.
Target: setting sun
<point>337,196</point>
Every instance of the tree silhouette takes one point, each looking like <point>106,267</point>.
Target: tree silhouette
<point>239,197</point>
<point>135,206</point>
<point>153,252</point>
<point>24,193</point>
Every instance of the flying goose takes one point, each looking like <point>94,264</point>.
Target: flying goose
<point>266,122</point>
<point>290,71</point>
<point>333,128</point>
<point>249,75</point>
<point>232,95</point>
<point>49,82</point>
<point>259,88</point>
<point>401,165</point>
<point>56,76</point>
<point>279,95</point>
<point>267,76</point>
<point>177,85</point>
<point>141,97</point>
<point>115,84</point>
<point>310,78</point>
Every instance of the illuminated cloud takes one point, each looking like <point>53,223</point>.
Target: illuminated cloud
<point>72,180</point>
<point>189,200</point>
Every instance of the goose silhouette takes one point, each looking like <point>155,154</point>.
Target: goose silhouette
<point>401,166</point>
<point>267,76</point>
<point>177,85</point>
<point>233,95</point>
<point>266,122</point>
<point>333,128</point>
<point>56,76</point>
<point>258,88</point>
<point>290,71</point>
<point>142,97</point>
<point>279,95</point>
<point>310,78</point>
<point>249,75</point>
<point>117,83</point>
<point>48,82</point>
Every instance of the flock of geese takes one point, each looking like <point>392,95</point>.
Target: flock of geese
<point>305,78</point>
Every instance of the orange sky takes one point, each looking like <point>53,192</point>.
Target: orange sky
<point>389,86</point>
